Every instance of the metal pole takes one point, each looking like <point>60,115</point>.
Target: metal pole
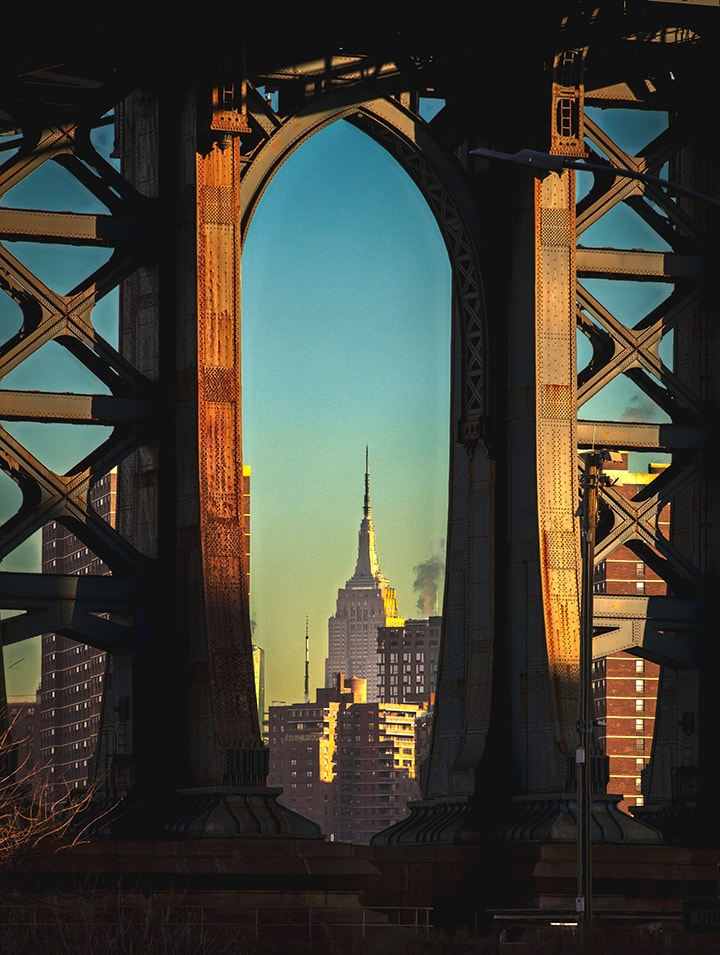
<point>590,483</point>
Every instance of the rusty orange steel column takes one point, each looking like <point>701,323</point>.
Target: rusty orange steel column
<point>227,616</point>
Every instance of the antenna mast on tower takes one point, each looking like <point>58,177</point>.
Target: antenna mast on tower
<point>307,661</point>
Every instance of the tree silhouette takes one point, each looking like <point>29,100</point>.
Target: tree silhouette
<point>34,820</point>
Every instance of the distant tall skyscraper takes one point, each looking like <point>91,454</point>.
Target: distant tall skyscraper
<point>366,602</point>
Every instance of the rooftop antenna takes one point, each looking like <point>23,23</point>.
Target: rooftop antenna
<point>307,661</point>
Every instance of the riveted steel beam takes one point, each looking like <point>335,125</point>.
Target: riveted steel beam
<point>75,606</point>
<point>662,629</point>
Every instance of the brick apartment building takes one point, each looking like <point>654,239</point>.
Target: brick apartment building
<point>625,686</point>
<point>347,764</point>
<point>408,656</point>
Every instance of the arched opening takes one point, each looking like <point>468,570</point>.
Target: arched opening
<point>347,303</point>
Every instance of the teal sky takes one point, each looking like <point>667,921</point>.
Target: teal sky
<point>346,318</point>
<point>346,327</point>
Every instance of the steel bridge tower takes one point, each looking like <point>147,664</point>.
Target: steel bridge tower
<point>197,140</point>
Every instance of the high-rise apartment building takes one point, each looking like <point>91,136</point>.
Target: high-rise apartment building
<point>302,739</point>
<point>346,763</point>
<point>364,604</point>
<point>407,661</point>
<point>72,674</point>
<point>376,768</point>
<point>625,685</point>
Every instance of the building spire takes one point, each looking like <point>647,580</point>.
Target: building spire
<point>366,507</point>
<point>367,562</point>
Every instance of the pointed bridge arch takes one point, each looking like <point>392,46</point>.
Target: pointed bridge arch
<point>463,708</point>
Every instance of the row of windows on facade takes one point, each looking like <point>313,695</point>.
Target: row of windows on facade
<point>79,648</point>
<point>75,708</point>
<point>76,555</point>
<point>65,679</point>
<point>640,686</point>
<point>600,587</point>
<point>89,570</point>
<point>74,687</point>
<point>639,665</point>
<point>407,656</point>
<point>85,726</point>
<point>395,668</point>
<point>390,772</point>
<point>61,770</point>
<point>65,737</point>
<point>393,680</point>
<point>313,717</point>
<point>52,750</point>
<point>386,729</point>
<point>639,708</point>
<point>65,666</point>
<point>310,773</point>
<point>401,796</point>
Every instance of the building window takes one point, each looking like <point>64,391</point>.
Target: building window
<point>639,666</point>
<point>640,705</point>
<point>640,727</point>
<point>639,686</point>
<point>639,568</point>
<point>640,586</point>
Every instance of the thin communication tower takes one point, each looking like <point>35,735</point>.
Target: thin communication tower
<point>307,661</point>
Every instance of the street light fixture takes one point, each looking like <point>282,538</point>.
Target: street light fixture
<point>591,482</point>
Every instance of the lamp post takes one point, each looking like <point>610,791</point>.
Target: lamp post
<point>591,481</point>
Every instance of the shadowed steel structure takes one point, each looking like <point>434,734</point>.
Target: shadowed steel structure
<point>199,133</point>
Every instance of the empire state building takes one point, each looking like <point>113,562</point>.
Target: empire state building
<point>365,603</point>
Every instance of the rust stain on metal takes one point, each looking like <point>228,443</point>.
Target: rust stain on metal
<point>227,616</point>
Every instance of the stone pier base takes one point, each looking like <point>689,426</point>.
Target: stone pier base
<point>216,897</point>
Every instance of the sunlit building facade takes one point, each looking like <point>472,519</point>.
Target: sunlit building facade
<point>625,686</point>
<point>346,763</point>
<point>407,661</point>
